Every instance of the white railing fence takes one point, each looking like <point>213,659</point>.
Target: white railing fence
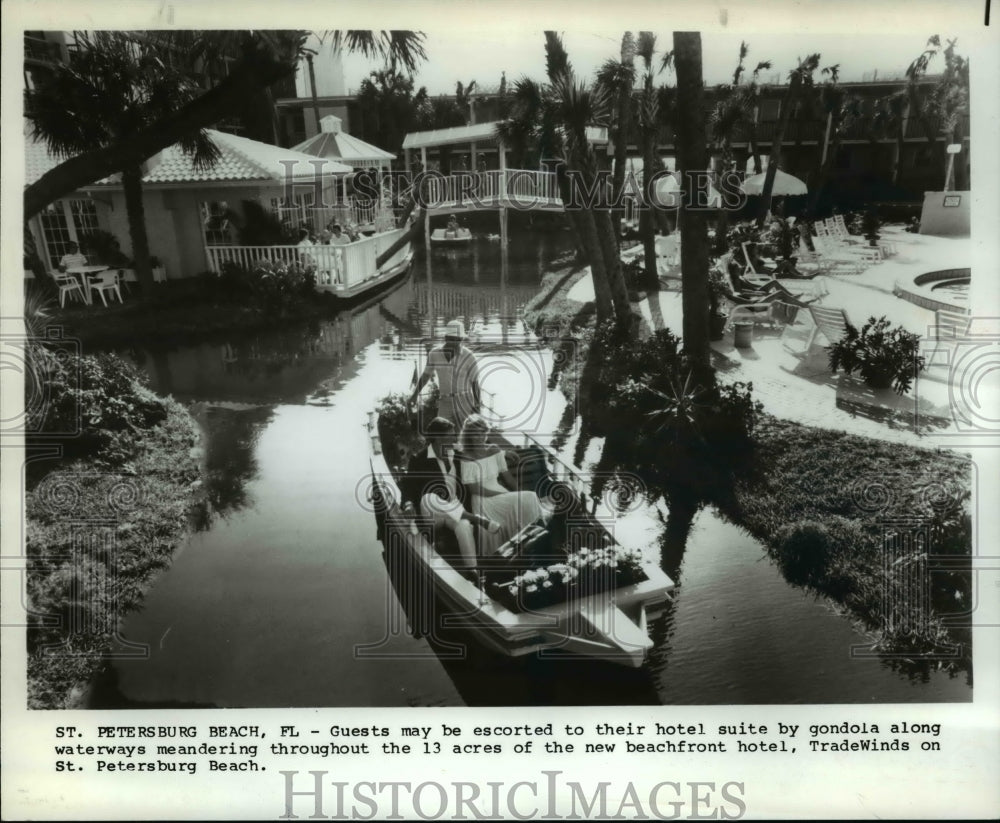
<point>344,266</point>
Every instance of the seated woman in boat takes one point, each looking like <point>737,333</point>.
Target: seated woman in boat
<point>451,230</point>
<point>482,468</point>
<point>431,483</point>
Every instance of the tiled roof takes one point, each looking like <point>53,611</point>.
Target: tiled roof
<point>241,159</point>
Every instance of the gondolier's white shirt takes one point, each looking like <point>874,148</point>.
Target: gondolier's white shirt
<point>456,379</point>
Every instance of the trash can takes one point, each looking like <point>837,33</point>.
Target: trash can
<point>743,335</point>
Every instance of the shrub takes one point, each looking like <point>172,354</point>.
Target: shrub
<point>274,284</point>
<point>668,419</point>
<point>883,357</point>
<point>102,397</point>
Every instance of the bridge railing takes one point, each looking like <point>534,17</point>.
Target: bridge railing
<point>491,188</point>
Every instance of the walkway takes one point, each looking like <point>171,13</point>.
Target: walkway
<point>799,386</point>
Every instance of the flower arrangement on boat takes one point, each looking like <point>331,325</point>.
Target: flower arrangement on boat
<point>584,572</point>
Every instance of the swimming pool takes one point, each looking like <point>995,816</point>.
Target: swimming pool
<point>946,289</point>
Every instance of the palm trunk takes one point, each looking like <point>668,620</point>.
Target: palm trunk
<point>132,183</point>
<point>693,155</point>
<point>621,158</point>
<point>772,164</point>
<point>897,153</point>
<point>960,177</point>
<point>647,219</point>
<point>825,171</point>
<point>598,271</point>
<point>608,240</point>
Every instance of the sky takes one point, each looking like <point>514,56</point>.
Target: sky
<point>482,57</point>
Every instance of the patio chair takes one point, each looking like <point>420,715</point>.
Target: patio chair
<point>106,282</point>
<point>68,285</point>
<point>831,323</point>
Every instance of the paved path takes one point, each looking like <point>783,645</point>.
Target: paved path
<point>798,385</point>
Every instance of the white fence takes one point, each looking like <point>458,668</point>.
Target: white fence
<point>342,266</point>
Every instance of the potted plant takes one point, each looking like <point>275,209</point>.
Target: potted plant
<point>884,357</point>
<point>870,225</point>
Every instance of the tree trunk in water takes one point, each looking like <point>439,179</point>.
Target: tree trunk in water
<point>613,267</point>
<point>693,157</point>
<point>772,164</point>
<point>132,183</point>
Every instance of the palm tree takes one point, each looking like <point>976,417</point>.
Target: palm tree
<point>115,86</point>
<point>253,60</point>
<point>950,101</point>
<point>576,107</point>
<point>889,120</point>
<point>649,118</point>
<point>841,111</point>
<point>692,147</point>
<point>798,77</point>
<point>389,107</point>
<point>616,79</point>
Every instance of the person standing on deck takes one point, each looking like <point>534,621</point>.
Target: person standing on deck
<point>457,375</point>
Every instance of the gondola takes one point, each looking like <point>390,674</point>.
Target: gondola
<point>565,587</point>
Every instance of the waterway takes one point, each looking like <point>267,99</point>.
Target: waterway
<point>283,598</point>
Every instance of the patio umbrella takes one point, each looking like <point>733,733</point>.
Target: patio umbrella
<point>666,192</point>
<point>785,185</point>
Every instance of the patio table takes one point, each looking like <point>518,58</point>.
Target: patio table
<point>83,274</point>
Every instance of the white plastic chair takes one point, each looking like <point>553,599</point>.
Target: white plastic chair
<point>68,285</point>
<point>106,282</point>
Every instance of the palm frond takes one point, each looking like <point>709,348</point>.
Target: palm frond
<point>645,48</point>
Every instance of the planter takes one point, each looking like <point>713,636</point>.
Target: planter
<point>879,381</point>
<point>743,335</point>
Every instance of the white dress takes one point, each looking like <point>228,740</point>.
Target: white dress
<point>512,510</point>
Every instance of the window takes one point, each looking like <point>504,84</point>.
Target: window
<point>215,223</point>
<point>63,222</point>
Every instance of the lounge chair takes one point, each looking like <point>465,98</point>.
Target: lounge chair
<point>831,323</point>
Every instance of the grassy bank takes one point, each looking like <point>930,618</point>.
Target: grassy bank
<point>97,533</point>
<point>831,508</point>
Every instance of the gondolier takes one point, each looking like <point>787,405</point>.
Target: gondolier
<point>457,375</point>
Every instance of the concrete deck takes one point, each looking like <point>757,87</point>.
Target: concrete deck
<point>792,383</point>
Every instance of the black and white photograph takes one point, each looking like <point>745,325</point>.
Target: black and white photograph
<point>490,382</point>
